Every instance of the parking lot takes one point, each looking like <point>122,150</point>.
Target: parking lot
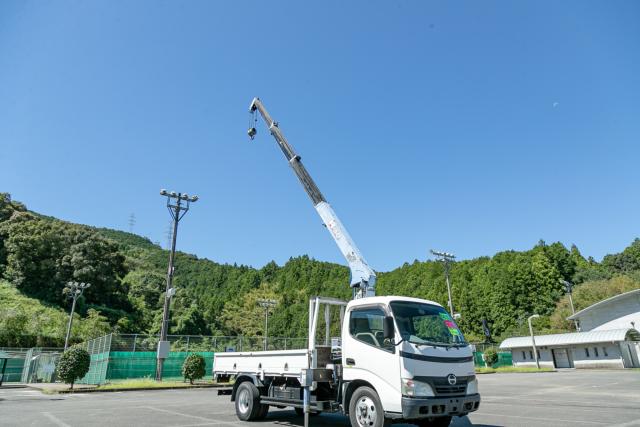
<point>566,398</point>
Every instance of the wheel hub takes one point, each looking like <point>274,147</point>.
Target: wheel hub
<point>243,401</point>
<point>366,412</point>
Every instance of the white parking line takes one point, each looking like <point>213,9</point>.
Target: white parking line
<point>211,420</point>
<point>628,424</point>
<point>55,420</point>
<point>476,414</point>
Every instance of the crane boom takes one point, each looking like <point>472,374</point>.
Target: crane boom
<point>363,278</point>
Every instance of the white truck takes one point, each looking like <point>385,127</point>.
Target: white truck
<point>400,359</point>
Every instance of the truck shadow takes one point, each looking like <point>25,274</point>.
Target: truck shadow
<point>289,418</point>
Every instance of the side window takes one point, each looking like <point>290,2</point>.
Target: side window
<point>604,351</point>
<point>366,325</point>
<point>524,355</point>
<point>586,351</point>
<point>595,351</point>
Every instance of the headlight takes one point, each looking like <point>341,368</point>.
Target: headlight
<point>414,388</point>
<point>472,387</point>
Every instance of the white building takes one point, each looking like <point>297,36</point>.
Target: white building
<point>615,348</point>
<point>608,338</point>
<point>618,312</point>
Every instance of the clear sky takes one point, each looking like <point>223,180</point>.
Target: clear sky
<point>466,126</point>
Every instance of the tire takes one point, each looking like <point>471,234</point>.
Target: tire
<point>435,422</point>
<point>365,409</point>
<point>248,407</point>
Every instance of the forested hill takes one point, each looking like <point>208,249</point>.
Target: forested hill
<point>39,254</point>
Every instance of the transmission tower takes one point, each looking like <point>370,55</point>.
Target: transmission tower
<point>132,222</point>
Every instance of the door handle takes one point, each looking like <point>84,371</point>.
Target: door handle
<point>350,361</point>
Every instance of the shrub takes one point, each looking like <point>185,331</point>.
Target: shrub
<point>490,357</point>
<point>73,365</point>
<point>193,367</point>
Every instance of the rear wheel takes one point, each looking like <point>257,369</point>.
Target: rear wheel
<point>435,422</point>
<point>248,407</point>
<point>365,409</point>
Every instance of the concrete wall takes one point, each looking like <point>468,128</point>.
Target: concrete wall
<point>613,359</point>
<point>545,359</point>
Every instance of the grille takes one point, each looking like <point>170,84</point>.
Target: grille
<point>451,389</point>
<point>441,386</point>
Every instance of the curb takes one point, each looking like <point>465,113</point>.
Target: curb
<point>110,390</point>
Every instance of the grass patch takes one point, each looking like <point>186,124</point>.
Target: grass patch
<point>145,383</point>
<point>512,369</point>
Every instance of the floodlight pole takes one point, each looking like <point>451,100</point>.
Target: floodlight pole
<point>533,340</point>
<point>446,258</point>
<point>177,211</point>
<point>266,304</point>
<point>74,289</point>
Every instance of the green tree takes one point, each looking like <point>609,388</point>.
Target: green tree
<point>490,357</point>
<point>246,317</point>
<point>193,367</point>
<point>73,365</point>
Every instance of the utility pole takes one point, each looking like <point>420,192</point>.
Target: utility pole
<point>177,211</point>
<point>266,304</point>
<point>533,339</point>
<point>73,290</point>
<point>446,258</point>
<point>569,287</point>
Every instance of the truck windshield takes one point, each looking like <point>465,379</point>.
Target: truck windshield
<point>426,324</point>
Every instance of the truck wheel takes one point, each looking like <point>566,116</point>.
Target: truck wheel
<point>365,409</point>
<point>248,407</point>
<point>435,422</point>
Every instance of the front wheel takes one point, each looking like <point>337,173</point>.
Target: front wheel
<point>365,409</point>
<point>435,422</point>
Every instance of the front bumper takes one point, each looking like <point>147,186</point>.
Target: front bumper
<point>414,408</point>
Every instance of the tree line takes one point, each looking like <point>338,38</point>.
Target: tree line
<point>39,254</point>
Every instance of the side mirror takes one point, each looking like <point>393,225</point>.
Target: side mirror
<point>388,330</point>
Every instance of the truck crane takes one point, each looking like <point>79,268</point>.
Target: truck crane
<point>402,359</point>
<point>363,278</point>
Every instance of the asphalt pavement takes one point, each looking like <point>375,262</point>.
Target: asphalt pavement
<point>564,398</point>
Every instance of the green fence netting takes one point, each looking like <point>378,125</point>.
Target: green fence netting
<point>504,359</point>
<point>13,371</point>
<point>142,364</point>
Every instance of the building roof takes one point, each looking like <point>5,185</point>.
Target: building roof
<point>604,302</point>
<point>612,335</point>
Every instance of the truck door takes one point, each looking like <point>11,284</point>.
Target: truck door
<point>366,357</point>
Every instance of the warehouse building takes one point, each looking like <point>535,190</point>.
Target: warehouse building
<point>618,312</point>
<point>615,348</point>
<point>608,338</point>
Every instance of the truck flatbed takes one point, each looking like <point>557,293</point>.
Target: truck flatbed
<point>285,363</point>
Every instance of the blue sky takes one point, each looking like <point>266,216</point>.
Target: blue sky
<point>470,127</point>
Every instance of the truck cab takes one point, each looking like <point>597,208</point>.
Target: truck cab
<point>411,352</point>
